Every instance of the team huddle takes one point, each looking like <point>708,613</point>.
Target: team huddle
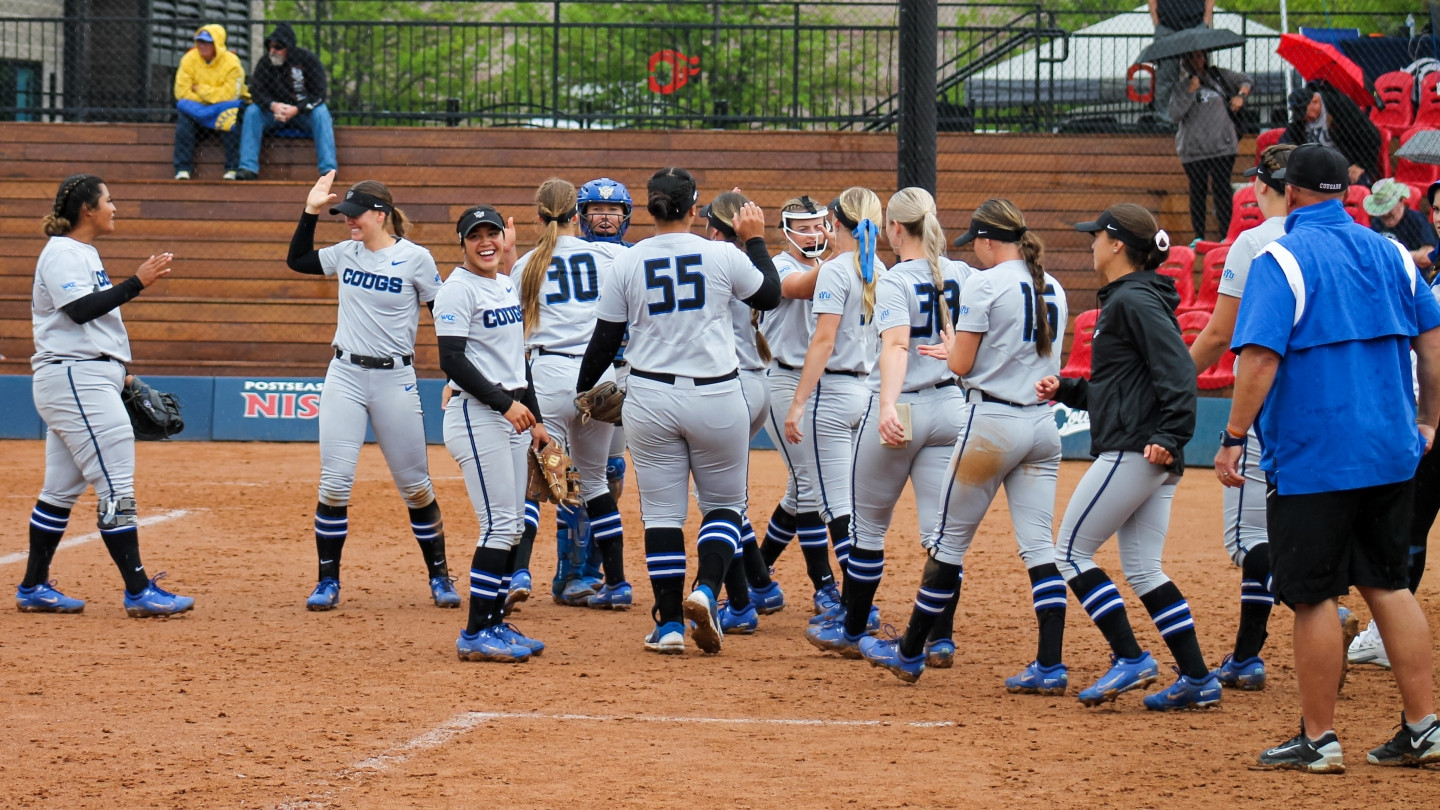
<point>930,371</point>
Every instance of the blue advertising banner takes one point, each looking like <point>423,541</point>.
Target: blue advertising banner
<point>281,409</point>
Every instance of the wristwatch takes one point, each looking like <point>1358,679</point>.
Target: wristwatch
<point>1226,440</point>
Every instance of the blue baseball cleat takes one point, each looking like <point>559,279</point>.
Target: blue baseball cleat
<point>1248,676</point>
<point>1125,674</point>
<point>443,591</point>
<point>827,600</point>
<point>831,637</point>
<point>741,622</point>
<point>769,599</point>
<point>1038,680</point>
<point>940,653</point>
<point>156,601</point>
<point>886,653</point>
<point>666,639</point>
<point>510,634</point>
<point>616,597</point>
<point>44,598</point>
<point>484,645</point>
<point>837,614</point>
<point>578,591</point>
<point>325,596</point>
<point>704,614</point>
<point>520,589</point>
<point>1186,693</point>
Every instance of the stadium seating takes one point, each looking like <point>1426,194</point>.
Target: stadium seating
<point>1354,204</point>
<point>1213,267</point>
<point>1220,375</point>
<point>1418,176</point>
<point>1244,215</point>
<point>1427,114</point>
<point>1265,140</point>
<point>1397,90</point>
<point>1180,266</point>
<point>1078,364</point>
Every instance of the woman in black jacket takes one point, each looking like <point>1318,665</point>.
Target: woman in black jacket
<point>1141,399</point>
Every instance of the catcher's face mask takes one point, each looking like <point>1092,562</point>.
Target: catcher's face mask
<point>808,229</point>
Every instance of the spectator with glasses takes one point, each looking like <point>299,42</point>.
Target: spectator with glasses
<point>288,90</point>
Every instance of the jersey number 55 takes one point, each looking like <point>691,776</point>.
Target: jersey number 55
<point>666,273</point>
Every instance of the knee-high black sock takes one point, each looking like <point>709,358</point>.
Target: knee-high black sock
<point>862,578</point>
<point>502,595</point>
<point>939,592</point>
<point>665,559</point>
<point>487,571</point>
<point>1098,595</point>
<point>1047,589</point>
<point>332,525</point>
<point>1255,603</point>
<point>123,543</point>
<point>777,535</point>
<point>737,585</point>
<point>47,526</point>
<point>719,540</point>
<point>840,539</point>
<point>756,570</point>
<point>945,622</point>
<point>525,546</point>
<point>1171,614</point>
<point>607,532</point>
<point>429,531</point>
<point>815,545</point>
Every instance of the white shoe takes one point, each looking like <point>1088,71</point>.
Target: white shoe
<point>1369,648</point>
<point>666,639</point>
<point>182,175</point>
<point>230,175</point>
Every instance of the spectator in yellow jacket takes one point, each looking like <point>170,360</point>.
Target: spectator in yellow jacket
<point>209,91</point>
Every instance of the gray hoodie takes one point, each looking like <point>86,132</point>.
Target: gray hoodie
<point>1203,116</point>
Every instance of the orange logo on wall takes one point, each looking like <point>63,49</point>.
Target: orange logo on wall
<point>679,69</point>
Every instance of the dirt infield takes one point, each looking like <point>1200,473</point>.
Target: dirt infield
<point>250,701</point>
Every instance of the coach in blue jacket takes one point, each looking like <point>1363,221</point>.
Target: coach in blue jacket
<point>1330,313</point>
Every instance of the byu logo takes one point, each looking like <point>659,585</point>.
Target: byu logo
<point>606,192</point>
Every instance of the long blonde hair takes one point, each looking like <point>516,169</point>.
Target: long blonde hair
<point>555,200</point>
<point>1004,214</point>
<point>860,205</point>
<point>723,210</point>
<point>914,209</point>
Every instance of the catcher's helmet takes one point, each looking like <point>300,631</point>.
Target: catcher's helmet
<point>604,190</point>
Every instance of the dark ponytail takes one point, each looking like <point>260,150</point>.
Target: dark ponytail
<point>76,191</point>
<point>1139,221</point>
<point>672,194</point>
<point>1004,215</point>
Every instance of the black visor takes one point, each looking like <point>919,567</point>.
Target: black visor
<point>1265,177</point>
<point>358,202</point>
<point>1108,224</point>
<point>476,216</point>
<point>980,230</point>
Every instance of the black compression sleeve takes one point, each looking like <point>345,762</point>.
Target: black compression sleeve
<point>604,344</point>
<point>768,296</point>
<point>304,258</point>
<point>98,303</point>
<point>461,371</point>
<point>528,399</point>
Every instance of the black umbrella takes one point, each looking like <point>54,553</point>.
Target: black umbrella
<point>1191,39</point>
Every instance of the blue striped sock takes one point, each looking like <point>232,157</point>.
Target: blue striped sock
<point>1049,593</point>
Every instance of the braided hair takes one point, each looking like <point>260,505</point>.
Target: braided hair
<point>77,191</point>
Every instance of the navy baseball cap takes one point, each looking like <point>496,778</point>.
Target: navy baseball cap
<point>358,202</point>
<point>1316,168</point>
<point>477,215</point>
<point>981,230</point>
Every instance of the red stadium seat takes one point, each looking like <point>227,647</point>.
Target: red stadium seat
<point>1180,267</point>
<point>1220,375</point>
<point>1265,140</point>
<point>1244,215</point>
<point>1213,268</point>
<point>1397,90</point>
<point>1417,175</point>
<point>1427,115</point>
<point>1079,363</point>
<point>1354,199</point>
<point>1416,197</point>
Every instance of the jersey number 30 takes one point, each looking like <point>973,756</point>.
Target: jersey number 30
<point>1052,312</point>
<point>661,275</point>
<point>581,282</point>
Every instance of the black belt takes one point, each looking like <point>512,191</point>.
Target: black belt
<point>619,364</point>
<point>104,358</point>
<point>669,379</point>
<point>788,367</point>
<point>373,362</point>
<point>544,351</point>
<point>945,384</point>
<point>997,400</point>
<point>785,365</point>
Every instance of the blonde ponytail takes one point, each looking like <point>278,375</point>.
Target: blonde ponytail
<point>914,208</point>
<point>555,200</point>
<point>859,213</point>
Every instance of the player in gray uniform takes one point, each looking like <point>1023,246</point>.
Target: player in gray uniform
<point>559,283</point>
<point>491,422</point>
<point>808,231</point>
<point>81,348</point>
<point>684,411</point>
<point>912,420</point>
<point>1246,535</point>
<point>831,396</point>
<point>383,281</point>
<point>1007,335</point>
<point>1141,399</point>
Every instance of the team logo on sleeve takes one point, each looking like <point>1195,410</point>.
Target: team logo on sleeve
<point>447,318</point>
<point>884,314</point>
<point>964,310</point>
<point>824,296</point>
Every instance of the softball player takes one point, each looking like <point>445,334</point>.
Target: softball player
<point>1006,336</point>
<point>916,301</point>
<point>383,280</point>
<point>684,410</point>
<point>559,283</point>
<point>491,422</point>
<point>830,395</point>
<point>787,331</point>
<point>1245,527</point>
<point>1141,399</point>
<point>81,349</point>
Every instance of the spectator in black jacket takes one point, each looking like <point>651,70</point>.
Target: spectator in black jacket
<point>288,91</point>
<point>1321,114</point>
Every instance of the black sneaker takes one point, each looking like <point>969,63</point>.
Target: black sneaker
<point>1409,749</point>
<point>1301,753</point>
<point>245,174</point>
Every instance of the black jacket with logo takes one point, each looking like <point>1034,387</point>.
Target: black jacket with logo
<point>300,81</point>
<point>1142,382</point>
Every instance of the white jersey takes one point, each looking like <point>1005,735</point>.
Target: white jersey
<point>674,291</point>
<point>380,295</point>
<point>787,327</point>
<point>906,297</point>
<point>745,349</point>
<point>486,312</point>
<point>999,303</point>
<point>1244,250</point>
<point>569,292</point>
<point>67,271</point>
<point>839,291</point>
